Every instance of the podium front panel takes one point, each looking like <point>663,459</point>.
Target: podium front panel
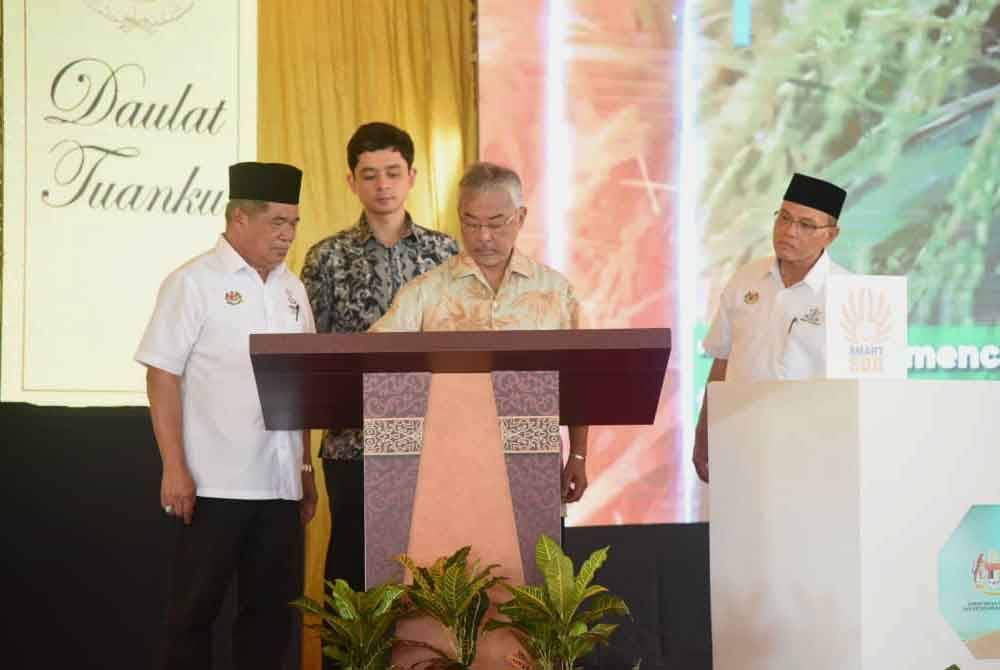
<point>525,423</point>
<point>460,459</point>
<point>395,406</point>
<point>835,510</point>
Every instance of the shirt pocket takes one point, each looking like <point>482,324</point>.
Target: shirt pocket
<point>290,320</point>
<point>805,347</point>
<point>225,335</point>
<point>748,325</point>
<point>289,313</point>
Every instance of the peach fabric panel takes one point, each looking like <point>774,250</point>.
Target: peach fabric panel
<point>463,497</point>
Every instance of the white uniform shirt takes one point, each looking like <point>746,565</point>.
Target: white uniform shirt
<point>766,331</point>
<point>200,328</point>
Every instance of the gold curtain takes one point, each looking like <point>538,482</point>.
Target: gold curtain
<point>326,67</point>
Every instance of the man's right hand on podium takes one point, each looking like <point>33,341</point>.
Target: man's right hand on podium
<point>574,472</point>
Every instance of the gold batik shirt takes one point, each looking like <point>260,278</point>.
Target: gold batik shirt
<point>456,296</point>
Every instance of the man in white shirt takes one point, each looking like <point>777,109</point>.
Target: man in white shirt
<point>240,493</point>
<point>770,323</point>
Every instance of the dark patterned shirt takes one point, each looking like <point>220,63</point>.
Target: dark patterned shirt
<point>351,279</point>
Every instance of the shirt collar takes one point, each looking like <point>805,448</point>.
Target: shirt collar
<point>814,279</point>
<point>522,265</point>
<point>465,266</point>
<point>233,262</point>
<point>364,229</point>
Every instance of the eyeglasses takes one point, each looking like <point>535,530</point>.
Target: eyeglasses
<point>493,228</point>
<point>804,226</point>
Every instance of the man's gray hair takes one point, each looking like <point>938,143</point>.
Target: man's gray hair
<point>248,207</point>
<point>485,176</point>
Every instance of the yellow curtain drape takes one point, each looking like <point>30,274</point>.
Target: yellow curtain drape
<point>326,67</point>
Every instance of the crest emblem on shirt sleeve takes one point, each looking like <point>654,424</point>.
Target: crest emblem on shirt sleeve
<point>233,297</point>
<point>751,297</point>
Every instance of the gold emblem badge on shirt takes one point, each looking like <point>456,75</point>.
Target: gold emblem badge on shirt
<point>751,297</point>
<point>233,297</point>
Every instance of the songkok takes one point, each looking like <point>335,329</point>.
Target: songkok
<point>816,193</point>
<point>269,182</point>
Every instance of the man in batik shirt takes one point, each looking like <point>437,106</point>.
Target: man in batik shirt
<point>492,286</point>
<point>351,279</point>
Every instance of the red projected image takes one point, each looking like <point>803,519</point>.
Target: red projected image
<point>582,98</point>
<point>598,103</point>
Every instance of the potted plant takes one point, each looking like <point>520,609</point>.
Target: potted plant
<point>357,627</point>
<point>455,594</point>
<point>559,623</point>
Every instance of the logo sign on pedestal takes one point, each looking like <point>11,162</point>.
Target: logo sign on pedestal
<point>866,327</point>
<point>969,581</point>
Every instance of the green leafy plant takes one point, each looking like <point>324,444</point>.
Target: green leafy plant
<point>357,627</point>
<point>559,623</point>
<point>454,593</point>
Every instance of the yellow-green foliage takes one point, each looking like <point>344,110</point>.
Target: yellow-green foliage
<point>559,622</point>
<point>455,594</point>
<point>356,628</point>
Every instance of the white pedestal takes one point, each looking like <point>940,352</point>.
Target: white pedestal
<point>830,503</point>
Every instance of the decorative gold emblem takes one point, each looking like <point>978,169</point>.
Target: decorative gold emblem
<point>866,317</point>
<point>233,297</point>
<point>751,297</point>
<point>145,15</point>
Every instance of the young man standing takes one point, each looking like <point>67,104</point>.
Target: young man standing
<point>351,279</point>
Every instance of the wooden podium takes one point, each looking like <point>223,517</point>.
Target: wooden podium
<point>461,430</point>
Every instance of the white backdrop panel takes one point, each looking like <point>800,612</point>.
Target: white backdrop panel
<point>119,124</point>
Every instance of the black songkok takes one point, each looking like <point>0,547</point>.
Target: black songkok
<point>816,193</point>
<point>269,182</point>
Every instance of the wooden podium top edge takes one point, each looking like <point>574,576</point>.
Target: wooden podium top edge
<point>624,339</point>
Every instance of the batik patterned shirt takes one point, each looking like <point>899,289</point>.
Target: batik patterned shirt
<point>456,296</point>
<point>351,279</point>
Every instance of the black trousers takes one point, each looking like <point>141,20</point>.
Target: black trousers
<point>259,542</point>
<point>345,553</point>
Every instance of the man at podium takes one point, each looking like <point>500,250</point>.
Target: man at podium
<point>770,321</point>
<point>490,285</point>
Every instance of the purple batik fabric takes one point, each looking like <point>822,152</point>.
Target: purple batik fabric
<point>528,411</point>
<point>394,409</point>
